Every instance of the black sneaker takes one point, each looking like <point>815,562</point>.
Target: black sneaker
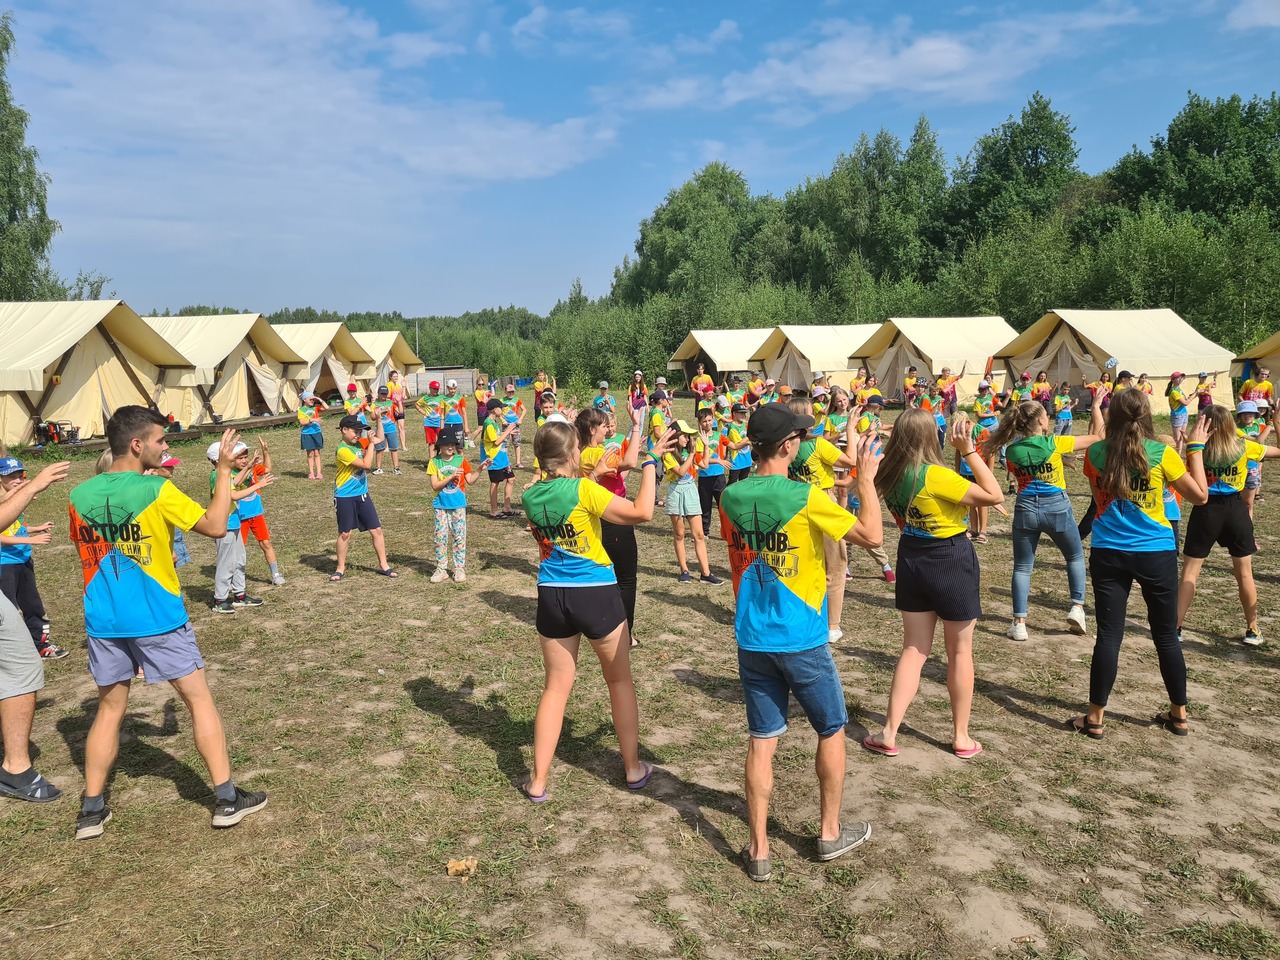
<point>244,600</point>
<point>90,825</point>
<point>245,803</point>
<point>685,577</point>
<point>222,606</point>
<point>712,579</point>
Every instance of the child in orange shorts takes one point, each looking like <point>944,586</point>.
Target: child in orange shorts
<point>253,518</point>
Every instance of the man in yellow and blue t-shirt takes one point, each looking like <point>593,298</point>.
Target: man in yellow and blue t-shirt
<point>775,527</point>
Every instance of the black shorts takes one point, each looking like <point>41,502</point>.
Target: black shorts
<point>1224,520</point>
<point>938,576</point>
<point>356,513</point>
<point>594,612</point>
<point>504,473</point>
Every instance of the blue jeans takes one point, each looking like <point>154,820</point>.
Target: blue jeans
<point>1034,514</point>
<point>1062,427</point>
<point>809,675</point>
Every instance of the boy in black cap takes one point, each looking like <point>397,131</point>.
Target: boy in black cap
<point>355,455</point>
<point>496,431</point>
<point>775,528</point>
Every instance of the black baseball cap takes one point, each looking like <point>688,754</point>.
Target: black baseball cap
<point>494,404</point>
<point>451,436</point>
<point>1124,375</point>
<point>773,423</point>
<point>352,423</point>
<point>875,400</point>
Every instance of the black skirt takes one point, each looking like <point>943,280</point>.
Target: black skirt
<point>938,576</point>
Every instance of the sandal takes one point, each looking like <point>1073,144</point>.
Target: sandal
<point>542,797</point>
<point>388,573</point>
<point>335,577</point>
<point>980,538</point>
<point>1178,728</point>
<point>968,753</point>
<point>1084,725</point>
<point>875,746</point>
<point>643,781</point>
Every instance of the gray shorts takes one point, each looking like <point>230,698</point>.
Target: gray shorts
<point>21,669</point>
<point>166,656</point>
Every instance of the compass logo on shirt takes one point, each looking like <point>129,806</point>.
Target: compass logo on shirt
<point>758,535</point>
<point>110,532</point>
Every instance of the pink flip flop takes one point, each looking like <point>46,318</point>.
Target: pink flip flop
<point>880,748</point>
<point>969,753</point>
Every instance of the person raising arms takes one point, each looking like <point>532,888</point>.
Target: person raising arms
<point>1134,541</point>
<point>578,595</point>
<point>938,573</point>
<point>777,530</point>
<point>1042,505</point>
<point>1224,519</point>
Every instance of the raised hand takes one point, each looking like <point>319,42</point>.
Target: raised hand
<point>50,475</point>
<point>227,451</point>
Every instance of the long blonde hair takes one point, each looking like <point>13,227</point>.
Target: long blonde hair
<point>912,446</point>
<point>1224,446</point>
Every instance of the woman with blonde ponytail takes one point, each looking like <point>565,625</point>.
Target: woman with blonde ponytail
<point>1034,457</point>
<point>1133,541</point>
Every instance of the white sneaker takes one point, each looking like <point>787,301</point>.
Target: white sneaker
<point>378,472</point>
<point>1016,631</point>
<point>440,576</point>
<point>1075,619</point>
<point>278,580</point>
<point>834,635</point>
<point>459,576</point>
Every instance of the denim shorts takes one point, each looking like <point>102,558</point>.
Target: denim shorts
<point>166,656</point>
<point>809,675</point>
<point>1178,419</point>
<point>312,441</point>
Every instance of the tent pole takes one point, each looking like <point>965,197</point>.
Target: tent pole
<point>128,367</point>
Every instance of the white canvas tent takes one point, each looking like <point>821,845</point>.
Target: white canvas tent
<point>929,344</point>
<point>390,351</point>
<point>1266,354</point>
<point>332,356</point>
<point>77,361</point>
<point>241,367</point>
<point>722,351</point>
<point>791,354</point>
<point>1068,344</point>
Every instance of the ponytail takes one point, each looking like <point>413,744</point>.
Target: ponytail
<point>1019,420</point>
<point>1128,430</point>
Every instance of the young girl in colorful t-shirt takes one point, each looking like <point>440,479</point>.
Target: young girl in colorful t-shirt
<point>449,473</point>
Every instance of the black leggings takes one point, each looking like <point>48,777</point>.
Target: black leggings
<point>1113,573</point>
<point>18,583</point>
<point>739,474</point>
<point>709,490</point>
<point>620,544</point>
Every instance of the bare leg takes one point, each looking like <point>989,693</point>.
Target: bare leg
<point>677,535</point>
<point>103,741</point>
<point>958,636</point>
<point>614,654</point>
<point>508,487</point>
<point>699,544</point>
<point>560,661</point>
<point>829,764</point>
<point>379,547</point>
<point>344,543</point>
<point>759,776</point>
<point>493,499</point>
<point>835,582</point>
<point>917,641</point>
<point>1242,567</point>
<point>206,724</point>
<point>1191,567</point>
<point>268,551</point>
<point>16,717</point>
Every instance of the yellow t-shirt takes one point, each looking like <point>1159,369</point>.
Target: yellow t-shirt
<point>673,465</point>
<point>1226,478</point>
<point>1036,463</point>
<point>815,463</point>
<point>865,392</point>
<point>929,506</point>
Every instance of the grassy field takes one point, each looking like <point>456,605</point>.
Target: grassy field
<point>391,721</point>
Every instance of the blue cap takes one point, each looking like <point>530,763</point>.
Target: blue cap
<point>1244,406</point>
<point>10,465</point>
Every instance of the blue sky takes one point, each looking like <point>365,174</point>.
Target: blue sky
<point>434,156</point>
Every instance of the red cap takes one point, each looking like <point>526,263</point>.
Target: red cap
<point>434,384</point>
<point>170,462</point>
<point>352,388</point>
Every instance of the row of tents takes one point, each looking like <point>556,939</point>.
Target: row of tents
<point>72,363</point>
<point>1066,344</point>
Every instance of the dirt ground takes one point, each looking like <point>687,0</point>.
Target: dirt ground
<point>391,722</point>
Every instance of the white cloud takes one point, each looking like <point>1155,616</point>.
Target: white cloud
<point>533,25</point>
<point>414,49</point>
<point>848,62</point>
<point>725,32</point>
<point>1248,14</point>
<point>672,94</point>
